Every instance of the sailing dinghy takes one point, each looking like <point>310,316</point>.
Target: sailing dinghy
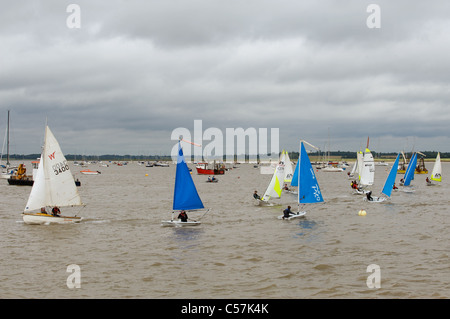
<point>409,175</point>
<point>308,187</point>
<point>274,190</point>
<point>436,173</point>
<point>367,175</point>
<point>185,197</point>
<point>388,185</point>
<point>53,186</point>
<point>288,171</point>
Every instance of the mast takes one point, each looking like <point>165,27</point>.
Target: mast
<point>7,142</point>
<point>299,169</point>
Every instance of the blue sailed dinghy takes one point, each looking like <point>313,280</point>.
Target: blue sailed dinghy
<point>185,196</point>
<point>409,175</point>
<point>308,187</point>
<point>388,185</point>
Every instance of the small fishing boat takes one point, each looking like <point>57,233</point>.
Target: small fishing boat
<point>204,169</point>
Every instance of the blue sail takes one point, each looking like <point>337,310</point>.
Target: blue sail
<point>309,190</point>
<point>409,175</point>
<point>294,181</point>
<point>185,195</point>
<point>390,180</point>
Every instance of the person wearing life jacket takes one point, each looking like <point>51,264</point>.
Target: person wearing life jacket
<point>183,216</point>
<point>287,212</point>
<point>56,211</point>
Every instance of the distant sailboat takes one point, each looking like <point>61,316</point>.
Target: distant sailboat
<point>274,189</point>
<point>308,187</point>
<point>53,186</point>
<point>436,173</point>
<point>388,185</point>
<point>288,171</point>
<point>368,168</point>
<point>409,175</point>
<point>185,197</point>
<point>8,172</point>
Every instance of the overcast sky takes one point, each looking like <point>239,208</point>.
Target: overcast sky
<point>136,70</point>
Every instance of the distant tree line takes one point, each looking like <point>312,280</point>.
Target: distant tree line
<point>293,155</point>
<point>352,154</point>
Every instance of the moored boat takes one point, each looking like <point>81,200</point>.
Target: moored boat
<point>204,169</point>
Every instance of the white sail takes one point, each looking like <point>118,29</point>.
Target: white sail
<point>436,174</point>
<point>354,168</point>
<point>288,171</point>
<point>359,160</point>
<point>274,188</point>
<point>368,169</point>
<point>54,184</point>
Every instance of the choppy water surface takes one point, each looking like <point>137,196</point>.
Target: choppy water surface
<point>240,250</point>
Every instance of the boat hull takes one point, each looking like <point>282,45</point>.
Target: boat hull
<point>259,202</point>
<point>177,223</point>
<point>376,199</point>
<point>292,216</point>
<point>202,171</point>
<point>28,182</point>
<point>21,182</point>
<point>43,219</point>
<point>89,172</point>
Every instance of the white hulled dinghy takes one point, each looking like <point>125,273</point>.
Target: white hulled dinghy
<point>436,173</point>
<point>388,185</point>
<point>54,186</point>
<point>308,187</point>
<point>185,197</point>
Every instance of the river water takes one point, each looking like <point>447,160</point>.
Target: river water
<point>240,250</point>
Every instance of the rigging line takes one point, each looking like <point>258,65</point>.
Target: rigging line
<point>195,144</point>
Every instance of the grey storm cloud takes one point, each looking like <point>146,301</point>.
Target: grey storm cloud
<point>136,70</point>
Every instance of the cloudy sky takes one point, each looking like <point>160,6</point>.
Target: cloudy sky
<point>136,70</point>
